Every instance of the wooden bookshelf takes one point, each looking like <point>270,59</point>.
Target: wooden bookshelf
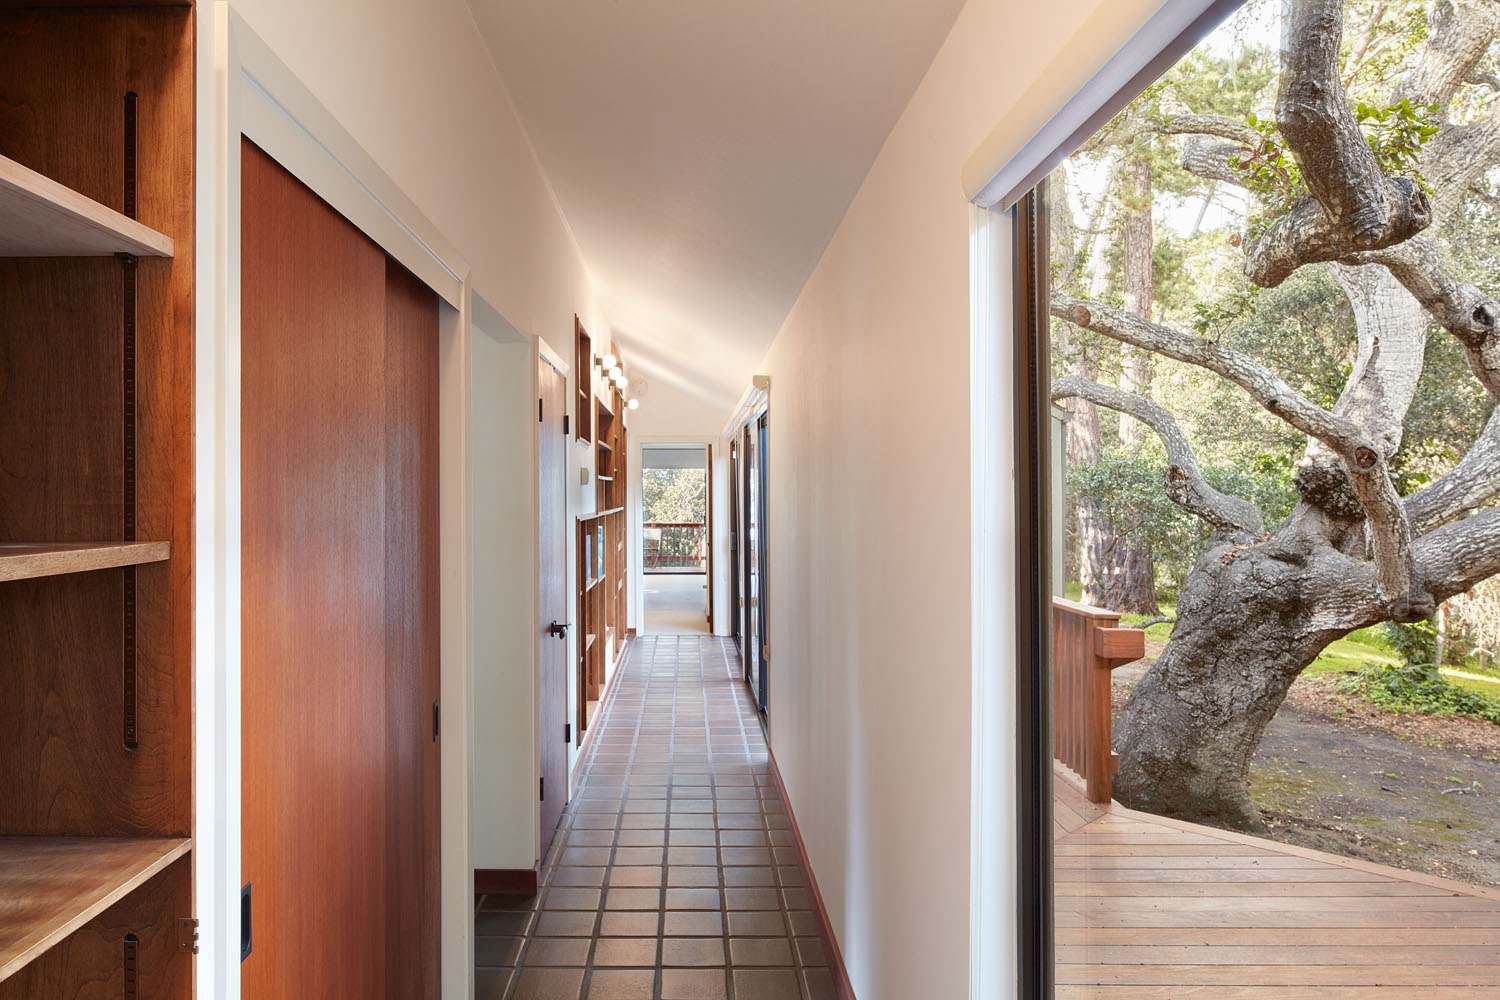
<point>41,218</point>
<point>53,886</point>
<point>32,561</point>
<point>96,573</point>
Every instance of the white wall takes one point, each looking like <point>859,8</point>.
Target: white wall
<point>869,520</point>
<point>505,624</point>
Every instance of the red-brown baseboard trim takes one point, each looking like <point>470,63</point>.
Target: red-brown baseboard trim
<point>506,881</point>
<point>841,982</point>
<point>630,632</point>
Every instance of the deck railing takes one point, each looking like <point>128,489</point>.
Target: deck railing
<point>674,545</point>
<point>1087,644</point>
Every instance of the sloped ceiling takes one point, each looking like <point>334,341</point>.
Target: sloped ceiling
<point>704,152</point>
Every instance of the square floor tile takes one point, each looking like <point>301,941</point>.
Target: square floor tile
<point>757,924</point>
<point>638,856</point>
<point>766,984</point>
<point>637,877</point>
<point>760,951</point>
<point>692,951</point>
<point>557,951</point>
<point>548,984</point>
<point>693,923</point>
<point>632,899</point>
<point>636,952</point>
<point>693,878</point>
<point>818,984</point>
<point>565,923</point>
<point>693,984</point>
<point>571,899</point>
<point>629,923</point>
<point>693,899</point>
<point>622,984</point>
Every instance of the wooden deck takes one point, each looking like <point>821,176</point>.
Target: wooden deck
<point>1155,908</point>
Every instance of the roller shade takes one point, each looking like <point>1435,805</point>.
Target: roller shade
<point>1007,165</point>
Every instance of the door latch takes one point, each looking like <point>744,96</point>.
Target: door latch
<point>560,631</point>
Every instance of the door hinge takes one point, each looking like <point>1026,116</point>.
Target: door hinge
<point>245,914</point>
<point>542,789</point>
<point>567,733</point>
<point>435,722</point>
<point>565,425</point>
<point>539,410</point>
<point>187,934</point>
<point>765,651</point>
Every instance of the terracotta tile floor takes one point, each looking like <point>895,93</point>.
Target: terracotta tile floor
<point>673,875</point>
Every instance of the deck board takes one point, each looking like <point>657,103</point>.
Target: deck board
<point>1151,907</point>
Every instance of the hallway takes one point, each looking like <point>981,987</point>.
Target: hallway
<point>676,603</point>
<point>673,874</point>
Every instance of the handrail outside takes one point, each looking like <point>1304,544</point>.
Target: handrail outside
<point>1087,645</point>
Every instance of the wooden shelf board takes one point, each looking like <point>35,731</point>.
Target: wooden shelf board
<point>590,643</point>
<point>29,561</point>
<point>42,218</point>
<point>51,886</point>
<point>599,513</point>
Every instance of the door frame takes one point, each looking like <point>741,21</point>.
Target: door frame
<point>635,511</point>
<point>243,89</point>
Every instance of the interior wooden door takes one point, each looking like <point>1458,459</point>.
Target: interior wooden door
<point>552,607</point>
<point>339,603</point>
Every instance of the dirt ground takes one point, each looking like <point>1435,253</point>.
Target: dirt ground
<point>1339,775</point>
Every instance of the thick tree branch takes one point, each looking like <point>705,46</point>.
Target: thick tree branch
<point>1462,309</point>
<point>1185,484</point>
<point>1363,458</point>
<point>1470,484</point>
<point>1459,555</point>
<point>1313,113</point>
<point>1242,135</point>
<point>1459,32</point>
<point>1209,158</point>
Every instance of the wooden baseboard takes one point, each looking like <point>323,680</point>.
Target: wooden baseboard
<point>841,984</point>
<point>506,881</point>
<point>630,632</point>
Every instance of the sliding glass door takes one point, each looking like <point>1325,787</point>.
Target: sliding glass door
<point>1240,306</point>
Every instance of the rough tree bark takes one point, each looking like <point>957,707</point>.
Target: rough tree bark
<point>1132,575</point>
<point>1257,607</point>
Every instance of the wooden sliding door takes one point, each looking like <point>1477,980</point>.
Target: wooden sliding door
<point>339,604</point>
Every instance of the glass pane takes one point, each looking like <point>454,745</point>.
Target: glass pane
<point>1276,709</point>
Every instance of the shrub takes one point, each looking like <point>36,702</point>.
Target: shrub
<point>1419,687</point>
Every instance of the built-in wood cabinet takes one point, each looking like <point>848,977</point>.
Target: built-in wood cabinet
<point>96,501</point>
<point>602,562</point>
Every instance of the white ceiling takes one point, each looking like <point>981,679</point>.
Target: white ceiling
<point>704,151</point>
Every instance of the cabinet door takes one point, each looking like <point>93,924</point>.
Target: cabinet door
<point>339,603</point>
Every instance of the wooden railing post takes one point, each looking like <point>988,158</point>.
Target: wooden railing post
<point>1087,645</point>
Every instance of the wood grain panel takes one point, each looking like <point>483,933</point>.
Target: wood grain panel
<point>89,963</point>
<point>412,636</point>
<point>63,77</point>
<point>28,562</point>
<point>552,547</point>
<point>341,603</point>
<point>52,886</point>
<point>314,596</point>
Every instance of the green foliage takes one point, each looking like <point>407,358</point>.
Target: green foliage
<point>1420,688</point>
<point>1416,684</point>
<point>1126,487</point>
<point>674,495</point>
<point>1395,133</point>
<point>1415,642</point>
